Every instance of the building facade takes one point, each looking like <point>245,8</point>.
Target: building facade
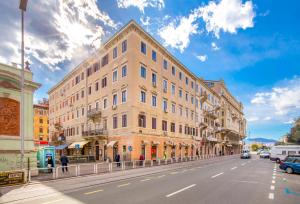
<point>10,95</point>
<point>41,122</point>
<point>133,98</point>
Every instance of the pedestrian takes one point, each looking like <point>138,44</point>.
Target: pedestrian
<point>165,155</point>
<point>50,164</point>
<point>141,159</point>
<point>220,153</point>
<point>117,158</point>
<point>64,162</point>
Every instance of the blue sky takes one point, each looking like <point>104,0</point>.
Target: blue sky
<point>253,45</point>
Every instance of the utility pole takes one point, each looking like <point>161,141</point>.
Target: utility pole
<point>22,7</point>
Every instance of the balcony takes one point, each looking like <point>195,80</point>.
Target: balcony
<point>210,114</point>
<point>203,125</point>
<point>94,114</point>
<point>203,97</point>
<point>96,132</point>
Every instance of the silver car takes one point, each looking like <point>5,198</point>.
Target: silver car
<point>245,154</point>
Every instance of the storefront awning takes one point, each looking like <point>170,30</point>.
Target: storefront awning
<point>61,147</point>
<point>111,143</point>
<point>155,142</point>
<point>75,144</point>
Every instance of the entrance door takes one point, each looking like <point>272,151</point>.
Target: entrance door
<point>143,151</point>
<point>97,152</point>
<point>115,152</point>
<point>153,152</point>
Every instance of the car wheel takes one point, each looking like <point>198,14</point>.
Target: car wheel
<point>289,170</point>
<point>277,160</point>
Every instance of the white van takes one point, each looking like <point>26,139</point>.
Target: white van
<point>278,153</point>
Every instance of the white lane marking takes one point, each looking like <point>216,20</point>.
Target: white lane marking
<point>175,172</point>
<point>91,192</point>
<point>233,168</point>
<point>161,176</point>
<point>271,196</point>
<point>199,167</point>
<point>284,179</point>
<point>183,189</point>
<point>53,201</point>
<point>253,182</point>
<point>184,171</point>
<point>273,181</point>
<point>243,164</point>
<point>217,175</point>
<point>272,187</point>
<point>273,177</point>
<point>145,180</point>
<point>125,184</point>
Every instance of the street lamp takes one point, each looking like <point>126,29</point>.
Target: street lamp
<point>22,7</point>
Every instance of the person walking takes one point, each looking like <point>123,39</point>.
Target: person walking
<point>50,164</point>
<point>64,162</point>
<point>117,158</point>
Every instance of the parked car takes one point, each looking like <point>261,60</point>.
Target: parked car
<point>278,153</point>
<point>245,154</point>
<point>291,165</point>
<point>264,154</point>
<point>259,151</point>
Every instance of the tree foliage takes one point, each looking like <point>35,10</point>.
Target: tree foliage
<point>294,135</point>
<point>254,147</point>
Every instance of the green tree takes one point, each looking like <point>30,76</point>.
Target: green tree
<point>294,135</point>
<point>254,147</point>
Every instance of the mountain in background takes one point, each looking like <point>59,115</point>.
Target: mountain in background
<point>260,140</point>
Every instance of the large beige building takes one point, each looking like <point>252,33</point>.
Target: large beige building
<point>132,97</point>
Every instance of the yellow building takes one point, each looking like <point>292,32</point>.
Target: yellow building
<point>132,97</point>
<point>41,123</point>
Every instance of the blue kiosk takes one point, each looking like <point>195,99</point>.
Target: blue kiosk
<point>43,154</point>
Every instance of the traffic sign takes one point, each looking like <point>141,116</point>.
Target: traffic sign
<point>77,146</point>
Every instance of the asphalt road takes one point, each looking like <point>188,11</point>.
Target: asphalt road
<point>233,181</point>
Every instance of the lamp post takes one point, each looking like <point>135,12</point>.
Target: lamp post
<point>22,7</point>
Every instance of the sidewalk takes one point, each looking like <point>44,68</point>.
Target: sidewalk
<point>62,186</point>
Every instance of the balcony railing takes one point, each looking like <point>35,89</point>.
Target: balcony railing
<point>96,132</point>
<point>94,113</point>
<point>203,97</point>
<point>210,114</point>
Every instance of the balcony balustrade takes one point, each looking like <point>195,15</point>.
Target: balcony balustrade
<point>95,132</point>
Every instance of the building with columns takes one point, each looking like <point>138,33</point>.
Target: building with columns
<point>132,97</point>
<point>10,96</point>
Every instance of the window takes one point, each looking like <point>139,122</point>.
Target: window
<point>164,125</point>
<point>41,120</point>
<point>115,52</point>
<point>180,128</point>
<point>115,122</point>
<point>115,75</point>
<point>90,90</point>
<point>143,96</point>
<point>104,82</point>
<point>180,110</point>
<point>77,79</point>
<point>124,120</point>
<point>165,105</point>
<point>96,66</point>
<point>96,86</point>
<point>192,85</point>
<point>173,108</point>
<point>192,99</point>
<point>186,81</point>
<point>173,70</point>
<point>82,93</point>
<point>187,112</point>
<point>82,111</point>
<point>115,99</point>
<point>124,46</point>
<point>165,64</point>
<point>173,89</point>
<point>89,71</point>
<point>197,88</point>
<point>180,93</point>
<point>124,71</point>
<point>104,60</point>
<point>153,123</point>
<point>97,105</point>
<point>142,120</point>
<point>143,47</point>
<point>77,114</point>
<point>165,86</point>
<point>186,96</point>
<point>82,75</point>
<point>124,96</point>
<point>172,127</point>
<point>143,72</point>
<point>105,103</point>
<point>153,79</point>
<point>154,100</point>
<point>41,130</point>
<point>180,75</point>
<point>153,55</point>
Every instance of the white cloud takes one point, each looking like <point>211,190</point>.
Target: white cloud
<point>214,46</point>
<point>141,4</point>
<point>186,27</point>
<point>289,122</point>
<point>145,20</point>
<point>55,31</point>
<point>202,58</point>
<point>267,118</point>
<point>283,100</point>
<point>252,119</point>
<point>226,16</point>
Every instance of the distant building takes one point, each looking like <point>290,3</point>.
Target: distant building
<point>41,122</point>
<point>10,94</point>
